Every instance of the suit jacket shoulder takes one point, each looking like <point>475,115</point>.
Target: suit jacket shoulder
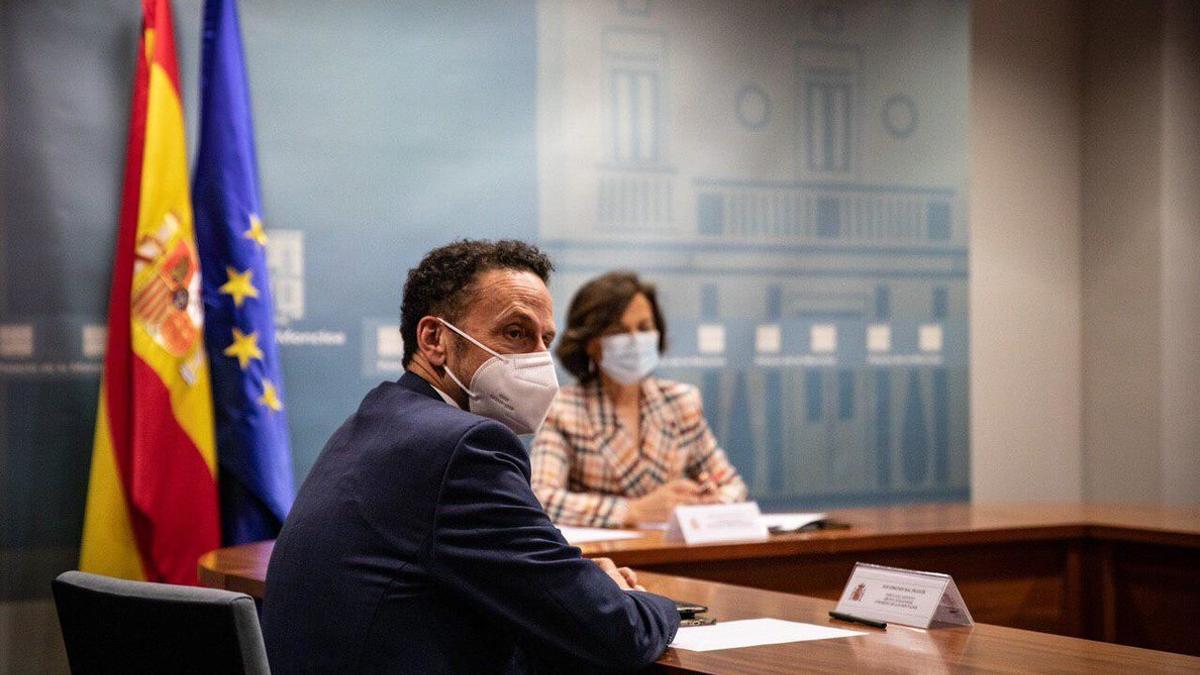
<point>416,545</point>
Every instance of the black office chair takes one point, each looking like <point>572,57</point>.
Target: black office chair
<point>118,626</point>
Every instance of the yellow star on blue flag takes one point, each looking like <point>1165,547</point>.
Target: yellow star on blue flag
<point>256,232</point>
<point>240,285</point>
<point>270,396</point>
<point>243,348</point>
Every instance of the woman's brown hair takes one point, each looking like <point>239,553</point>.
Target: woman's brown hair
<point>597,305</point>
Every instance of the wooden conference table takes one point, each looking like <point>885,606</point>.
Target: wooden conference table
<point>1124,574</point>
<point>896,649</point>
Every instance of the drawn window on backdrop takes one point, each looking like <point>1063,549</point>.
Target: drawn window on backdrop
<point>828,121</point>
<point>635,61</point>
<point>826,114</point>
<point>635,116</point>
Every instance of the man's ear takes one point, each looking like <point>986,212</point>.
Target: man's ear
<point>429,341</point>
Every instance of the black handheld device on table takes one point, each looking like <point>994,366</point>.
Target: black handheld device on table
<point>688,614</point>
<point>689,609</point>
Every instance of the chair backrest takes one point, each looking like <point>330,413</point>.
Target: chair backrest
<point>118,626</point>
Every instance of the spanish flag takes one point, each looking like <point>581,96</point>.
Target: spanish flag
<point>152,497</point>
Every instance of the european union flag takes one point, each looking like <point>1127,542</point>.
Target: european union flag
<point>253,452</point>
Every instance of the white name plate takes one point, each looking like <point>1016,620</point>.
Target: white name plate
<point>906,597</point>
<point>711,523</point>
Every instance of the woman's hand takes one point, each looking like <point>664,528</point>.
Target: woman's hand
<point>657,505</point>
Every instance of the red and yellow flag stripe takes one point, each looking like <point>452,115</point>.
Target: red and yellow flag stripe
<point>152,505</point>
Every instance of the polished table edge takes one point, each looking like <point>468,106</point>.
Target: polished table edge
<point>752,602</point>
<point>1142,535</point>
<point>243,568</point>
<point>801,608</point>
<point>818,543</point>
<point>916,527</point>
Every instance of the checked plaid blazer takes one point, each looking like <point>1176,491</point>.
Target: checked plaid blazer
<point>585,465</point>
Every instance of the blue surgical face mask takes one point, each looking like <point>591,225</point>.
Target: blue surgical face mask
<point>629,357</point>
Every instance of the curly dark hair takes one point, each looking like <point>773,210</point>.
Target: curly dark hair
<point>597,305</point>
<point>440,285</point>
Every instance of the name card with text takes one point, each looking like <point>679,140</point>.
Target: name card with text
<point>711,523</point>
<point>906,597</point>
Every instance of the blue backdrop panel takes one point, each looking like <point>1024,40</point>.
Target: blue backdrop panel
<point>792,174</point>
<point>383,129</point>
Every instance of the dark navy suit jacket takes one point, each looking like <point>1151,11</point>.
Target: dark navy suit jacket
<point>416,545</point>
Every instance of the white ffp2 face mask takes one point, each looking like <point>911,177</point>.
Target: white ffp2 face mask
<point>628,357</point>
<point>514,389</point>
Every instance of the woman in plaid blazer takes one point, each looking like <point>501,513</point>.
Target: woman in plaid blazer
<point>622,448</point>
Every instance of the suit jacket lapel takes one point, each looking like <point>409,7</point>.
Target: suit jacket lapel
<point>616,444</point>
<point>641,464</point>
<point>659,451</point>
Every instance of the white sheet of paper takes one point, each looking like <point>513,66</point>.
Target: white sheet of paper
<point>787,522</point>
<point>753,632</point>
<point>584,535</point>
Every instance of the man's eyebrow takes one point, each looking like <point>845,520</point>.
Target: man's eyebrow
<point>516,313</point>
<point>519,314</point>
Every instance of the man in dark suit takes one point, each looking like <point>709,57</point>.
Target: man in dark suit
<point>416,543</point>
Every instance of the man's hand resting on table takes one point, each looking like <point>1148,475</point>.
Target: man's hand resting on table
<point>626,578</point>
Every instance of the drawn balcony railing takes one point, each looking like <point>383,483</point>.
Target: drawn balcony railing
<point>636,199</point>
<point>824,212</point>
